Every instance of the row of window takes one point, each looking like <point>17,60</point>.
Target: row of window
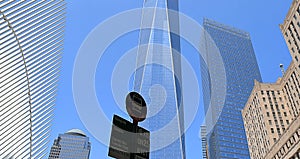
<point>294,139</point>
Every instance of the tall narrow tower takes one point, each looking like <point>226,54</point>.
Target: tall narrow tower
<point>31,38</point>
<point>158,78</point>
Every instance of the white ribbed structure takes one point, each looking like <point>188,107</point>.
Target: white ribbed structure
<point>31,44</point>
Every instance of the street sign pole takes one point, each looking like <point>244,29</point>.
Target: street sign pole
<point>134,130</point>
<point>137,110</point>
<point>128,140</point>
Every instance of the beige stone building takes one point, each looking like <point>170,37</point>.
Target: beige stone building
<point>288,145</point>
<point>269,111</point>
<point>291,29</point>
<point>266,117</point>
<point>290,85</point>
<point>272,113</point>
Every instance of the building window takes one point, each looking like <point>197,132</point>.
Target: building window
<point>287,122</point>
<point>272,130</point>
<point>266,106</point>
<point>268,114</point>
<point>270,122</point>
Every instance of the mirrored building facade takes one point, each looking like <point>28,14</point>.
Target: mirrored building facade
<point>226,138</point>
<point>158,78</point>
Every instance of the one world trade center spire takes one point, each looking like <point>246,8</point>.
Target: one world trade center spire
<point>158,78</point>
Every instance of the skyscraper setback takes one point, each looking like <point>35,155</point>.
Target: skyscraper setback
<point>158,78</point>
<point>30,49</point>
<point>227,139</point>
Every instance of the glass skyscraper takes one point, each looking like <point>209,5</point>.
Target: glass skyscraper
<point>227,139</point>
<point>31,42</point>
<point>158,78</point>
<point>204,142</point>
<point>73,144</point>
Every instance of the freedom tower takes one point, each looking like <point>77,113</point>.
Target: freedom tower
<point>158,78</point>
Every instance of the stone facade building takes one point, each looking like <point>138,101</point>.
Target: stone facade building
<point>269,111</point>
<point>272,113</point>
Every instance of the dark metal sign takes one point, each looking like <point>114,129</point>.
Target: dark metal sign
<point>128,141</point>
<point>136,106</point>
<point>141,144</point>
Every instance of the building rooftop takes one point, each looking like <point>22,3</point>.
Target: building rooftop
<point>227,28</point>
<point>289,15</point>
<point>76,132</point>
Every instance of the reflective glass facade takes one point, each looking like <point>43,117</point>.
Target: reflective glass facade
<point>71,145</point>
<point>31,39</point>
<point>227,138</point>
<point>158,79</point>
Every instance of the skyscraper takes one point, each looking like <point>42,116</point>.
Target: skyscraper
<point>266,116</point>
<point>30,49</point>
<point>272,112</point>
<point>290,30</point>
<point>158,78</point>
<point>291,33</point>
<point>73,144</point>
<point>269,113</point>
<point>204,142</point>
<point>227,139</point>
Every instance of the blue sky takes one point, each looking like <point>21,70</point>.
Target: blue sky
<point>260,18</point>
